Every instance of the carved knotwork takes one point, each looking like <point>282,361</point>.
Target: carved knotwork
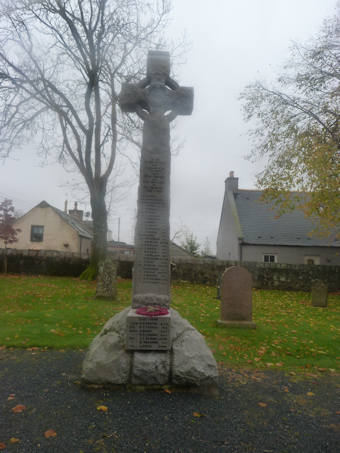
<point>157,94</point>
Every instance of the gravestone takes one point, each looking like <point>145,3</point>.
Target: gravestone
<point>236,298</point>
<point>150,343</point>
<point>319,294</point>
<point>107,279</point>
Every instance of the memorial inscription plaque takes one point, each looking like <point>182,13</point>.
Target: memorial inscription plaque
<point>157,100</point>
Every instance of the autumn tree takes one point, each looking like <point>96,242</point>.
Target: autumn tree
<point>62,63</point>
<point>8,233</point>
<point>190,243</point>
<point>295,126</point>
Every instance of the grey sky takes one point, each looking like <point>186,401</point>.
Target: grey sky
<point>232,44</point>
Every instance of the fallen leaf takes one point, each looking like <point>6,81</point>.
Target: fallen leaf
<point>197,414</point>
<point>310,393</point>
<point>18,408</point>
<point>102,408</point>
<point>262,404</point>
<point>14,440</point>
<point>2,446</point>
<point>167,391</point>
<point>11,397</point>
<point>50,433</point>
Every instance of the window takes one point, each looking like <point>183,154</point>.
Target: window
<point>311,259</point>
<point>37,233</point>
<point>267,258</point>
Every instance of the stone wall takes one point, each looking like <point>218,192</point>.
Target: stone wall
<point>270,276</point>
<point>43,262</point>
<point>196,270</point>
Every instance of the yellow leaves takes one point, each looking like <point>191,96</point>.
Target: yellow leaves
<point>310,394</point>
<point>102,408</point>
<point>50,433</point>
<point>18,408</point>
<point>57,332</point>
<point>14,440</point>
<point>198,414</point>
<point>261,404</point>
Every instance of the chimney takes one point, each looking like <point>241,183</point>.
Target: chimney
<point>231,183</point>
<point>76,213</point>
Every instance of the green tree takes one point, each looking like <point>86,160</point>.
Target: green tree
<point>8,234</point>
<point>295,126</point>
<point>190,243</point>
<point>62,63</point>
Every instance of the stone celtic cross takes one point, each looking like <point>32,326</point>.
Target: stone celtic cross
<point>157,100</point>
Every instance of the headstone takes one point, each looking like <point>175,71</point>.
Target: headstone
<point>107,279</point>
<point>319,294</point>
<point>154,344</point>
<point>157,100</point>
<point>236,298</point>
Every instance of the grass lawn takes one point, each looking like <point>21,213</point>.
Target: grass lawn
<point>54,312</point>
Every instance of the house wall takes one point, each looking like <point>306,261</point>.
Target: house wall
<point>56,233</point>
<point>291,255</point>
<point>227,245</point>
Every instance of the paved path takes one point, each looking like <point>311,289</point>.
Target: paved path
<point>252,412</point>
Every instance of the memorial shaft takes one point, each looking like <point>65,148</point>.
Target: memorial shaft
<point>157,100</point>
<point>151,273</point>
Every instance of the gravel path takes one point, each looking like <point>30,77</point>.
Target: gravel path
<point>251,412</point>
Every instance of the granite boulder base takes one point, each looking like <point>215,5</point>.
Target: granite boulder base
<point>188,362</point>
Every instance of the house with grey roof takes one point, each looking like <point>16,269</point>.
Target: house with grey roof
<point>45,227</point>
<point>250,230</point>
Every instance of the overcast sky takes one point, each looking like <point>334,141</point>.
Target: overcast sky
<point>233,43</point>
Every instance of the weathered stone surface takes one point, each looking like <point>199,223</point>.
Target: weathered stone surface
<point>107,279</point>
<point>319,294</point>
<point>178,325</point>
<point>107,362</point>
<point>236,298</point>
<point>150,368</point>
<point>189,361</point>
<point>193,362</point>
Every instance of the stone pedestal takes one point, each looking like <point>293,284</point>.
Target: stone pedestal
<point>147,332</point>
<point>189,361</point>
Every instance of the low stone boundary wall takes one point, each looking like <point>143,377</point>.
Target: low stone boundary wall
<point>267,276</point>
<point>196,270</point>
<point>43,262</point>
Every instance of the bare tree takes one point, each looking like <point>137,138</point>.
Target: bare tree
<point>62,63</point>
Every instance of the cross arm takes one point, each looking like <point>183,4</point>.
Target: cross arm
<point>132,97</point>
<point>183,100</point>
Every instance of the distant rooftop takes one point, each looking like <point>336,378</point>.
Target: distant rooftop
<point>260,224</point>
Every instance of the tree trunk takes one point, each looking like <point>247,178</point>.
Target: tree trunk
<point>5,262</point>
<point>99,242</point>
